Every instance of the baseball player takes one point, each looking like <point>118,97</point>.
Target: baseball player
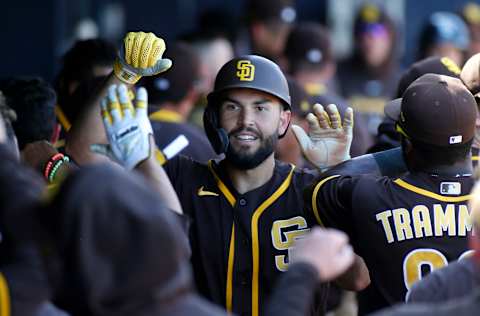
<point>247,209</point>
<point>406,226</point>
<point>454,304</point>
<point>391,162</point>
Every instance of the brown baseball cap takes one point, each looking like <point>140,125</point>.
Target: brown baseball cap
<point>434,65</point>
<point>437,110</point>
<point>470,74</point>
<point>282,11</point>
<point>308,45</point>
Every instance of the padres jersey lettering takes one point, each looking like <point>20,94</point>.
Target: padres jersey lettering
<point>240,242</point>
<point>447,220</point>
<point>283,237</point>
<point>403,228</point>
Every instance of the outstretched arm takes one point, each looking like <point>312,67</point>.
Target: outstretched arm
<point>140,55</point>
<point>130,140</point>
<point>356,278</point>
<point>320,257</point>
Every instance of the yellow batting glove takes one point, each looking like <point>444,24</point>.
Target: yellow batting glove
<point>140,55</point>
<point>127,127</point>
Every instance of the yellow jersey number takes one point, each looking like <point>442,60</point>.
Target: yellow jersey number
<point>421,258</point>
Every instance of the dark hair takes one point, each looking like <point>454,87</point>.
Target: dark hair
<point>440,155</point>
<point>33,100</point>
<point>266,11</point>
<point>82,94</point>
<point>78,65</point>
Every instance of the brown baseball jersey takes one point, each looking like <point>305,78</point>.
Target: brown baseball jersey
<point>402,227</point>
<point>240,242</point>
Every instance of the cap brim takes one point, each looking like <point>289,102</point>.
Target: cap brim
<point>393,108</point>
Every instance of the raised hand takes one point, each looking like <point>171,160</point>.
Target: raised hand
<point>327,250</point>
<point>128,128</point>
<point>140,55</point>
<point>328,140</point>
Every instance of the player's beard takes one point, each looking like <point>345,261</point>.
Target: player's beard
<point>247,161</point>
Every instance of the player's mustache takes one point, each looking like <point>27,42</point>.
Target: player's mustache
<point>246,129</point>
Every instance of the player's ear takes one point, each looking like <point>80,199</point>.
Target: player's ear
<point>285,117</point>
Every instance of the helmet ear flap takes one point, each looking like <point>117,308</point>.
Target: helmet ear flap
<point>284,133</point>
<point>217,136</point>
<point>288,126</point>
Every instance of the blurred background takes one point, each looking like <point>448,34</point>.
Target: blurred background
<point>35,34</point>
<point>346,52</point>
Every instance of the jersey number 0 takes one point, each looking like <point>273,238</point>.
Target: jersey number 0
<point>419,259</point>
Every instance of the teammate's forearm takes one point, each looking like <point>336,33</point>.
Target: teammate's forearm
<point>294,292</point>
<point>88,129</point>
<point>356,278</point>
<point>158,178</point>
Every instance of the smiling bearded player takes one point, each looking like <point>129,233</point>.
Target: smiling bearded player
<point>247,209</point>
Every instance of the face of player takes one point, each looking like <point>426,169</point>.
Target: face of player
<point>376,47</point>
<point>253,120</point>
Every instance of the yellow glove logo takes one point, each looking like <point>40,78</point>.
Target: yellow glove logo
<point>245,70</point>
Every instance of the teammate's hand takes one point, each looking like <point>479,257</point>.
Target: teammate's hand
<point>128,128</point>
<point>328,141</point>
<point>140,55</point>
<point>325,249</point>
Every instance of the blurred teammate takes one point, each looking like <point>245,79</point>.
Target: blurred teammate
<point>310,60</point>
<point>453,303</point>
<point>84,61</point>
<point>369,78</point>
<point>388,137</point>
<point>268,24</point>
<point>444,35</point>
<point>248,204</point>
<point>471,15</point>
<point>33,100</point>
<point>418,221</point>
<point>172,98</point>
